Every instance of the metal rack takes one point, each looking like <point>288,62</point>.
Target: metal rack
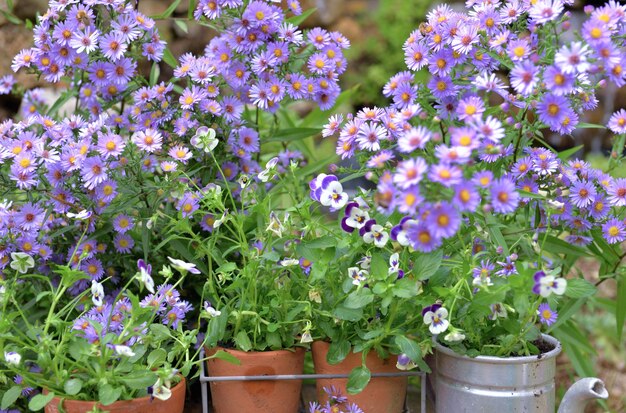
<point>206,379</point>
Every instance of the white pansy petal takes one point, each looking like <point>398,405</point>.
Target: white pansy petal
<point>440,327</point>
<point>442,312</point>
<point>428,317</point>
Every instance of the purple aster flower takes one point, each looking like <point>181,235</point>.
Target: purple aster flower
<point>174,316</point>
<point>557,81</point>
<point>123,243</point>
<point>582,193</point>
<point>504,197</point>
<point>93,172</point>
<point>614,230</point>
<point>112,45</point>
<point>93,268</point>
<point>543,11</point>
<point>149,140</point>
<point>421,238</point>
<point>123,223</point>
<point>617,122</point>
<point>546,315</point>
<point>30,217</point>
<point>572,58</point>
<point>410,172</point>
<point>551,110</point>
<point>370,135</point>
<point>443,220</point>
<point>442,87</point>
<point>6,84</point>
<point>617,192</point>
<point>446,174</point>
<point>466,197</point>
<point>188,204</point>
<point>518,49</point>
<point>85,41</point>
<point>414,138</point>
<point>507,267</point>
<point>305,265</point>
<point>407,200</point>
<point>470,108</point>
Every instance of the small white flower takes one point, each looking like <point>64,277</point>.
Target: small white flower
<point>289,262</point>
<point>82,215</point>
<point>124,351</point>
<point>218,222</point>
<point>97,293</point>
<point>306,337</point>
<point>454,335</point>
<point>269,171</point>
<point>12,358</point>
<point>204,139</point>
<point>183,266</point>
<point>497,310</point>
<point>161,392</point>
<point>144,275</point>
<point>333,195</point>
<point>211,312</point>
<point>377,235</point>
<point>21,262</point>
<point>405,363</point>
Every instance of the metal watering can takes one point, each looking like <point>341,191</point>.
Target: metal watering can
<point>506,385</point>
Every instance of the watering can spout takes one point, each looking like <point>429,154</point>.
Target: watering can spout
<point>580,393</point>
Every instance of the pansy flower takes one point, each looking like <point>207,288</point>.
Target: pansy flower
<point>545,284</point>
<point>374,233</point>
<point>435,317</point>
<point>355,216</point>
<point>357,275</point>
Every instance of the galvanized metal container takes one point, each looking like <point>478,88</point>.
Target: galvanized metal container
<point>493,384</point>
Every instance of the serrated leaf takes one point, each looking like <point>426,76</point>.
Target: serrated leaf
<point>348,314</point>
<point>73,386</point>
<point>358,379</point>
<point>243,341</point>
<point>579,288</point>
<point>358,299</point>
<point>10,397</point>
<point>160,331</point>
<point>40,401</point>
<point>156,356</point>
<point>338,351</point>
<point>406,288</point>
<point>426,265</point>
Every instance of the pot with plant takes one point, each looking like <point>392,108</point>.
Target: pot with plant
<point>487,216</point>
<point>116,352</point>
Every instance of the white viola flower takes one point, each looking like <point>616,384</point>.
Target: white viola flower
<point>3,291</point>
<point>21,262</point>
<point>333,196</point>
<point>399,232</point>
<point>269,171</point>
<point>545,284</point>
<point>306,337</point>
<point>204,139</point>
<point>218,222</point>
<point>183,266</point>
<point>355,217</point>
<point>82,215</point>
<point>124,351</point>
<point>365,262</point>
<point>405,363</point>
<point>159,391</point>
<point>243,181</point>
<point>145,278</point>
<point>394,263</point>
<point>289,262</point>
<point>210,311</point>
<point>454,335</point>
<point>275,226</point>
<point>497,310</point>
<point>435,318</point>
<point>12,358</point>
<point>374,233</point>
<point>358,275</point>
<point>97,293</point>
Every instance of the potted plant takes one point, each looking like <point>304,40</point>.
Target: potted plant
<point>487,216</point>
<point>117,351</point>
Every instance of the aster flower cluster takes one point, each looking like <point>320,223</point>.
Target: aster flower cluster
<point>337,403</point>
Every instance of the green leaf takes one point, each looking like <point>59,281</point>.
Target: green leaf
<point>65,97</point>
<point>243,341</point>
<point>10,397</point>
<point>338,351</point>
<point>358,379</point>
<point>182,25</point>
<point>569,152</point>
<point>154,73</point>
<point>295,134</point>
<point>406,288</point>
<point>409,347</point>
<point>39,401</point>
<point>156,356</point>
<point>160,331</point>
<point>348,314</point>
<point>585,125</point>
<point>620,309</point>
<point>558,246</point>
<point>73,386</point>
<point>297,20</point>
<point>579,288</point>
<point>108,394</point>
<point>358,298</point>
<point>226,356</point>
<point>426,265</point>
<point>494,231</point>
<point>168,12</point>
<point>139,381</point>
<point>169,58</point>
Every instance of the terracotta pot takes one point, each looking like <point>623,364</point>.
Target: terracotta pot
<point>381,395</point>
<point>175,404</point>
<point>261,396</point>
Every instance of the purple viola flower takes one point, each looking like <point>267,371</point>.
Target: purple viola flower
<point>399,232</point>
<point>330,193</point>
<point>435,317</point>
<point>504,197</point>
<point>374,233</point>
<point>546,315</point>
<point>545,285</point>
<point>355,217</point>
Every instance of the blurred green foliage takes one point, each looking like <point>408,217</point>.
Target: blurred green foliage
<point>378,55</point>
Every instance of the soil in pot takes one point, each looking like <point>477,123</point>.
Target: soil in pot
<point>258,396</point>
<point>381,395</point>
<point>175,404</point>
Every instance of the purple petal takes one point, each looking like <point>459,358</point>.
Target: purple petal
<point>345,226</point>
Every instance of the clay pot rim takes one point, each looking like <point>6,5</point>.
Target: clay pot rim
<point>265,353</point>
<point>118,402</point>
